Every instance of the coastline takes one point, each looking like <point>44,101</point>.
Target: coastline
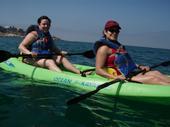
<point>11,31</point>
<point>10,35</point>
<point>21,36</point>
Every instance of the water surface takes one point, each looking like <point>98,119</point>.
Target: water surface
<point>26,103</point>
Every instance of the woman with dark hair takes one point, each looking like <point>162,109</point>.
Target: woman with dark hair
<point>31,28</point>
<point>113,60</point>
<point>38,40</point>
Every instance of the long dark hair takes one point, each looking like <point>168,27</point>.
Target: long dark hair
<point>31,28</point>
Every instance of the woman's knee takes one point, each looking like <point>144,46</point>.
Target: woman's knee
<point>156,80</point>
<point>151,79</point>
<point>49,63</point>
<point>59,59</point>
<point>155,72</point>
<point>144,78</point>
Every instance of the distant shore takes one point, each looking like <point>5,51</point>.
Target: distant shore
<point>10,35</point>
<point>22,36</point>
<point>11,31</point>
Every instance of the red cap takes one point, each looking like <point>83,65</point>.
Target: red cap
<point>112,25</point>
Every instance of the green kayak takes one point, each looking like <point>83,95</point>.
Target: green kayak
<point>159,94</point>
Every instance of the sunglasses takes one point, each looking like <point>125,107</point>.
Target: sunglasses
<point>114,30</point>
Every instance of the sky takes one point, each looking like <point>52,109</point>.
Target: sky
<point>144,23</point>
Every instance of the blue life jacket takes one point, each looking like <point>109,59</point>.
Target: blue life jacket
<point>123,61</point>
<point>43,43</point>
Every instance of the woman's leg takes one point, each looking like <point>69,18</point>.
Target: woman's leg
<point>66,64</point>
<point>149,79</point>
<point>48,63</point>
<point>159,75</point>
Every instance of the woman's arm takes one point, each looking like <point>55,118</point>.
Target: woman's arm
<point>29,38</point>
<point>101,56</point>
<point>141,67</point>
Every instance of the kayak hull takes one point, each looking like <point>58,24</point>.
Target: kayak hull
<point>159,94</point>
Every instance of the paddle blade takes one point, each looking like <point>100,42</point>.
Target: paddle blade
<point>86,95</point>
<point>4,55</point>
<point>89,54</point>
<point>166,63</point>
<point>81,97</point>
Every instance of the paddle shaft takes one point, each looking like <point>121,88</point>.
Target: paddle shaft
<point>45,55</point>
<point>4,55</point>
<point>30,56</point>
<point>86,95</point>
<point>72,54</point>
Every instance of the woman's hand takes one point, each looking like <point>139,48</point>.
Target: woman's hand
<point>120,77</point>
<point>147,68</point>
<point>63,53</point>
<point>117,77</point>
<point>34,55</point>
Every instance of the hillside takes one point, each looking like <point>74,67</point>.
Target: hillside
<point>13,31</point>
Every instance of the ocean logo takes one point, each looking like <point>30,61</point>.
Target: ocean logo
<point>9,64</point>
<point>61,80</point>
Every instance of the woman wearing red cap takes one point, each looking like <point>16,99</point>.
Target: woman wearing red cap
<point>113,61</point>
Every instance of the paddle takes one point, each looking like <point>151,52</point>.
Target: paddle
<point>86,95</point>
<point>88,54</point>
<point>4,55</point>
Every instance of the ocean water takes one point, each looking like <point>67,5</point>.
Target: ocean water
<point>25,103</point>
